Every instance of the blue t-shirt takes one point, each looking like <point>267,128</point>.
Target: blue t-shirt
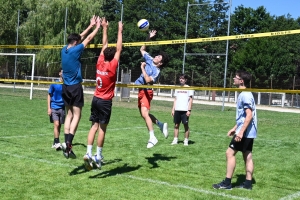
<point>56,100</point>
<point>246,100</point>
<point>151,70</point>
<point>71,65</point>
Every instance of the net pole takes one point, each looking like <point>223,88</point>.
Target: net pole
<point>32,74</point>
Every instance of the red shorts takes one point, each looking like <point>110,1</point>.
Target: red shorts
<point>144,98</point>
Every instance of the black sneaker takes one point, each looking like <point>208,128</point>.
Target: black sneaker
<point>72,154</point>
<point>65,151</point>
<point>222,185</point>
<point>244,186</point>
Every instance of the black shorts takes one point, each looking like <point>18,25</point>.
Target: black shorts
<point>180,116</point>
<point>100,110</point>
<point>246,144</point>
<point>73,95</point>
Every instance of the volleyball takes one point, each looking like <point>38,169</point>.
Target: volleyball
<point>143,24</point>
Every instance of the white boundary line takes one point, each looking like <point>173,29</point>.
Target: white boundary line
<point>183,187</point>
<point>292,196</point>
<point>135,178</point>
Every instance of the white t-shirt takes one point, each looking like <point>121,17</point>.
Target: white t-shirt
<point>183,99</point>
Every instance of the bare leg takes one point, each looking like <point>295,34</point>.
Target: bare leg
<point>230,156</point>
<point>249,166</point>
<point>186,131</point>
<point>101,135</point>
<point>145,114</point>
<point>68,119</point>
<point>75,119</point>
<point>57,126</point>
<point>92,133</point>
<point>176,130</point>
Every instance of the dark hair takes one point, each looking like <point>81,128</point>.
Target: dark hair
<point>165,58</point>
<point>109,53</point>
<point>73,37</point>
<point>184,76</point>
<point>245,76</point>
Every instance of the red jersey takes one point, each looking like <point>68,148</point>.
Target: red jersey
<point>106,77</point>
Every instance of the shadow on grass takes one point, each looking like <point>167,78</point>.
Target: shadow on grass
<point>79,144</point>
<point>190,142</point>
<point>240,179</point>
<point>119,170</point>
<point>81,169</point>
<point>156,157</point>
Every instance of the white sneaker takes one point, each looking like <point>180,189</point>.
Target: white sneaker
<point>57,146</point>
<point>165,130</point>
<point>96,161</point>
<point>175,141</point>
<point>63,146</point>
<point>152,142</point>
<point>88,162</point>
<point>186,142</point>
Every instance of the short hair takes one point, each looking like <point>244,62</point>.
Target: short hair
<point>109,53</point>
<point>73,37</point>
<point>245,76</point>
<point>184,76</point>
<point>165,58</point>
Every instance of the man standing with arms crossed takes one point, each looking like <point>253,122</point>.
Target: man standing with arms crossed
<point>72,88</point>
<point>244,133</point>
<point>106,76</point>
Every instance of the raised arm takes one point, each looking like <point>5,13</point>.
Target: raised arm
<point>119,42</point>
<point>151,35</point>
<point>92,34</point>
<point>104,24</point>
<point>92,24</point>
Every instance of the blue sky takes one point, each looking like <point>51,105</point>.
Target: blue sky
<point>274,7</point>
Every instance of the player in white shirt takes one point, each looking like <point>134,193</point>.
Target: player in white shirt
<point>181,110</point>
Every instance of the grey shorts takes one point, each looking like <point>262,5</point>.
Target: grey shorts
<point>57,115</point>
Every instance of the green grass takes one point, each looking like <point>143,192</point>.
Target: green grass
<point>30,169</point>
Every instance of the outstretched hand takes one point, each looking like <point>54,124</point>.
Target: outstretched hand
<point>152,33</point>
<point>93,20</point>
<point>104,23</point>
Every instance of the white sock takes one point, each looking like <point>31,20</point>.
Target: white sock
<point>99,153</point>
<point>89,150</point>
<point>151,133</point>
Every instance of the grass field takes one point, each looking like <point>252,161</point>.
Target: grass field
<point>30,169</point>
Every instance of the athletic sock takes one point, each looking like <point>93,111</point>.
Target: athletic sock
<point>70,138</point>
<point>56,140</point>
<point>227,181</point>
<point>151,133</point>
<point>99,152</point>
<point>89,149</point>
<point>66,137</point>
<point>159,124</point>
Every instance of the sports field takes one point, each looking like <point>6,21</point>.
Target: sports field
<point>30,169</point>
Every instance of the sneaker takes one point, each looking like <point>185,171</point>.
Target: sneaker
<point>222,185</point>
<point>244,186</point>
<point>186,142</point>
<point>56,146</point>
<point>175,141</point>
<point>67,151</point>
<point>152,142</point>
<point>96,161</point>
<point>164,129</point>
<point>88,162</point>
<point>64,150</point>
